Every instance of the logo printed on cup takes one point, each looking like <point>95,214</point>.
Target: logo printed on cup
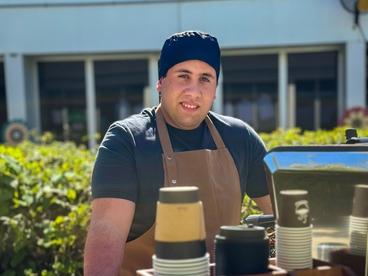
<point>293,208</point>
<point>302,210</point>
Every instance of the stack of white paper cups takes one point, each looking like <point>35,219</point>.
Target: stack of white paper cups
<point>180,235</point>
<point>358,227</point>
<point>293,231</point>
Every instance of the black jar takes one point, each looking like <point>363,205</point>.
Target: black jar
<point>241,250</point>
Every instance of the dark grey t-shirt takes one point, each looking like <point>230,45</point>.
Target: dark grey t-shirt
<point>129,160</point>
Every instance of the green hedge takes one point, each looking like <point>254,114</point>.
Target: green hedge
<point>295,137</point>
<point>44,210</point>
<point>44,201</point>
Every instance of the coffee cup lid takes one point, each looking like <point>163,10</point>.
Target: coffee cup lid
<point>240,232</point>
<point>294,192</point>
<point>183,194</point>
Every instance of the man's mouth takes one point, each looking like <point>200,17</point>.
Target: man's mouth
<point>189,106</point>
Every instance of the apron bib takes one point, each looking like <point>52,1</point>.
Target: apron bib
<point>213,172</point>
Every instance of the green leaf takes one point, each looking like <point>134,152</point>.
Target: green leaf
<point>71,195</point>
<point>59,220</point>
<point>18,258</point>
<point>9,273</point>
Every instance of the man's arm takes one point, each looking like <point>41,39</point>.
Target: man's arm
<point>111,219</point>
<point>264,203</point>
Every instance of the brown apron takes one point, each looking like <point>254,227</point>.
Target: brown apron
<point>215,174</point>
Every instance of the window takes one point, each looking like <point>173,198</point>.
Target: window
<point>315,79</point>
<point>63,100</point>
<point>366,77</point>
<point>250,89</point>
<point>119,89</point>
<point>3,111</point>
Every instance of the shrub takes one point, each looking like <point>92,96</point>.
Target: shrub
<point>44,201</point>
<point>296,137</point>
<point>44,211</point>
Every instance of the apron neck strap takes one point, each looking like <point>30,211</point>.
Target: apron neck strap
<point>163,132</point>
<point>165,139</point>
<point>215,134</point>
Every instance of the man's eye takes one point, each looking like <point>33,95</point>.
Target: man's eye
<point>205,79</point>
<point>184,76</point>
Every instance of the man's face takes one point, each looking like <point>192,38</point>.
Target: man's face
<point>187,93</point>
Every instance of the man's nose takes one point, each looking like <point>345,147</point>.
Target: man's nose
<point>194,88</point>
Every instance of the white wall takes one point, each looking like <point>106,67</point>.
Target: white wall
<point>15,87</point>
<point>95,27</point>
<point>355,73</point>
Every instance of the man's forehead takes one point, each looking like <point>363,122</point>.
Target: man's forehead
<point>192,66</point>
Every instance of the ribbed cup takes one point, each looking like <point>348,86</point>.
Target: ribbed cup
<point>358,228</point>
<point>294,247</point>
<point>358,233</point>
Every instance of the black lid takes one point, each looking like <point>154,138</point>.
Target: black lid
<point>240,232</point>
<point>184,194</point>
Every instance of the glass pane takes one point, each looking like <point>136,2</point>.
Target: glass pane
<point>330,175</point>
<point>366,77</point>
<point>250,89</point>
<point>119,89</point>
<point>315,78</point>
<point>63,100</point>
<point>3,114</point>
<point>266,101</point>
<point>305,116</point>
<point>328,96</point>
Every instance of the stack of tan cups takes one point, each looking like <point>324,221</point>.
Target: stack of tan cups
<point>358,227</point>
<point>293,231</point>
<point>180,235</point>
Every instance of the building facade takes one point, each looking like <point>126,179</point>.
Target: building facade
<point>74,66</point>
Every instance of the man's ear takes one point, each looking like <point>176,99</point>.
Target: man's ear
<point>159,85</point>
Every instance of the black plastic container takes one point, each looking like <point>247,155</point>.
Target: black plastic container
<point>241,250</point>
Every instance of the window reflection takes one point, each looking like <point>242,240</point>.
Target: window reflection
<point>63,100</point>
<point>250,89</point>
<point>315,77</point>
<point>119,89</point>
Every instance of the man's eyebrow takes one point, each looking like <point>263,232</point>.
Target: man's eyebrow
<point>209,75</point>
<point>183,71</point>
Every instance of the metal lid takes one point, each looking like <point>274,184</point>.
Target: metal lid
<point>242,232</point>
<point>184,194</point>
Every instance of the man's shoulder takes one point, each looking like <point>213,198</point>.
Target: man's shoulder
<point>229,123</point>
<point>137,123</point>
<point>130,130</point>
<point>234,129</point>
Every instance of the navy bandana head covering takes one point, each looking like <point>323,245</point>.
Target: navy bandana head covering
<point>189,45</point>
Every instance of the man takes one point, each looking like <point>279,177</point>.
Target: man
<point>178,143</point>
